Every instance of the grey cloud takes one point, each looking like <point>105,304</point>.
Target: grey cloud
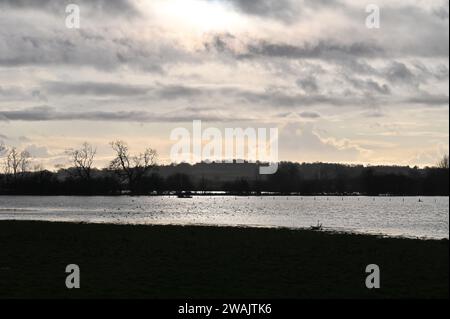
<point>155,92</point>
<point>309,115</point>
<point>284,10</point>
<point>121,7</point>
<point>269,97</point>
<point>27,47</point>
<point>171,92</point>
<point>46,113</point>
<point>94,88</point>
<point>11,93</point>
<point>399,73</point>
<point>376,87</point>
<point>442,12</point>
<point>282,99</point>
<point>37,151</point>
<point>431,33</point>
<point>18,93</point>
<point>369,86</point>
<point>440,72</point>
<point>429,100</point>
<point>320,50</point>
<point>308,84</point>
<point>103,55</point>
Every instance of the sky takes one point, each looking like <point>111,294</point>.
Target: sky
<point>136,69</point>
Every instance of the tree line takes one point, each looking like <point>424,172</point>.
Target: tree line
<point>139,174</point>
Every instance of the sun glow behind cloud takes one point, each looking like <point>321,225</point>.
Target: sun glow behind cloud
<point>137,67</point>
<point>197,16</point>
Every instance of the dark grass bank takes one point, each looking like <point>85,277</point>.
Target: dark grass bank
<point>211,262</point>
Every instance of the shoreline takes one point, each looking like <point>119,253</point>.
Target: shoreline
<point>325,230</point>
<point>166,262</point>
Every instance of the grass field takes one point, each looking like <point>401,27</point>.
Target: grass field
<point>211,262</point>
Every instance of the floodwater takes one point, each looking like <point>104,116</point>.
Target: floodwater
<point>391,216</point>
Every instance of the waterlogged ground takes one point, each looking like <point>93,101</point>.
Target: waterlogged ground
<point>393,216</point>
<point>178,262</point>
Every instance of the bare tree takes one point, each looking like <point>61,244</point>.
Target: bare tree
<point>25,161</point>
<point>443,163</point>
<point>83,159</point>
<point>122,160</point>
<point>17,162</point>
<point>132,168</point>
<point>145,161</point>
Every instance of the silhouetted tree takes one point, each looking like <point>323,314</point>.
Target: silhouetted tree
<point>82,159</point>
<point>16,162</point>
<point>132,168</point>
<point>233,178</point>
<point>443,163</point>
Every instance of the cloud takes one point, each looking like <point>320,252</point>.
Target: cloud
<point>274,61</point>
<point>37,151</point>
<point>171,92</point>
<point>308,84</point>
<point>429,100</point>
<point>309,115</point>
<point>305,141</point>
<point>59,48</point>
<point>321,50</point>
<point>399,73</point>
<point>57,6</point>
<point>46,113</point>
<point>442,11</point>
<point>283,10</point>
<point>94,88</point>
<point>369,86</point>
